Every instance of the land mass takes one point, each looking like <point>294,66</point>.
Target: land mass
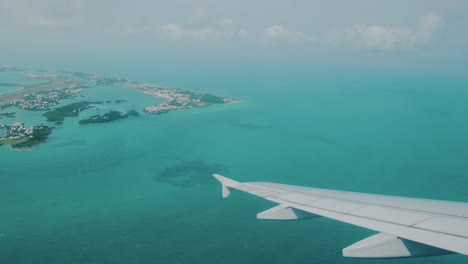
<point>59,87</point>
<point>59,114</point>
<point>177,98</point>
<point>22,138</point>
<point>42,96</point>
<point>174,98</point>
<point>105,118</point>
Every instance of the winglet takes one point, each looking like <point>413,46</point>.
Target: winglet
<point>226,184</point>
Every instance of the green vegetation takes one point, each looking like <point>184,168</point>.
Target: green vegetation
<point>55,88</point>
<point>175,103</point>
<point>211,99</point>
<point>105,118</point>
<point>74,109</point>
<point>108,81</point>
<point>39,134</point>
<point>133,112</point>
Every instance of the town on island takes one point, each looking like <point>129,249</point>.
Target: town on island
<point>54,89</point>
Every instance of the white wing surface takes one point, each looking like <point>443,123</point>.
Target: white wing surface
<point>408,227</point>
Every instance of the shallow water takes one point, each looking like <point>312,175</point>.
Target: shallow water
<point>140,190</point>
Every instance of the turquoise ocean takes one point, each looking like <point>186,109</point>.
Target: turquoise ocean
<point>141,191</point>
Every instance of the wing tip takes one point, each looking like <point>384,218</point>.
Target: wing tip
<point>226,184</point>
<point>225,181</point>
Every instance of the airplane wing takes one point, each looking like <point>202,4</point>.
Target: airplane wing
<point>408,227</point>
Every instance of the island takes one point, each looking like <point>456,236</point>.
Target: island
<point>52,95</point>
<point>70,110</point>
<point>105,118</point>
<point>174,98</point>
<point>133,112</point>
<point>22,138</point>
<point>177,98</point>
<point>99,80</point>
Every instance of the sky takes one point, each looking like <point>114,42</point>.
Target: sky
<point>327,31</point>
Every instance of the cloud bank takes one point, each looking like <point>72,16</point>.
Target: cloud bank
<point>84,18</point>
<point>177,32</point>
<point>277,32</point>
<point>391,38</point>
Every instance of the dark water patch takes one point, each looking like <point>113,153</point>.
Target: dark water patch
<point>190,173</point>
<point>435,111</point>
<point>70,143</point>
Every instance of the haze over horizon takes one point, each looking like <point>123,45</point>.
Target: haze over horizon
<point>417,33</point>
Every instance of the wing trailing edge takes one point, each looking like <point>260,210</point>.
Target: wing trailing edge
<point>387,246</point>
<point>407,227</point>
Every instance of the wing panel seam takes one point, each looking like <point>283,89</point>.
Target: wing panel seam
<point>367,203</point>
<point>369,218</point>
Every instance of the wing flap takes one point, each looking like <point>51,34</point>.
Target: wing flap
<point>372,212</point>
<point>387,246</point>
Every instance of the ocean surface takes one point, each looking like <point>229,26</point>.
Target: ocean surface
<point>141,191</point>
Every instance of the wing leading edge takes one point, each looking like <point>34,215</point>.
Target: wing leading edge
<point>408,227</point>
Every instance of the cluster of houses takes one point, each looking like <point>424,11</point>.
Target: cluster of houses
<point>17,130</point>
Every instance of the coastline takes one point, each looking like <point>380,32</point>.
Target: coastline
<point>62,87</point>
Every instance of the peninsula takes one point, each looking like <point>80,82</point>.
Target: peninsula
<point>174,98</point>
<point>42,96</point>
<point>54,89</point>
<point>177,98</point>
<point>20,137</point>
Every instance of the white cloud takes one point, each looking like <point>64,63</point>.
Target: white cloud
<point>429,24</point>
<point>390,38</point>
<point>244,34</point>
<point>226,22</point>
<point>378,37</point>
<point>175,31</point>
<point>277,32</point>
